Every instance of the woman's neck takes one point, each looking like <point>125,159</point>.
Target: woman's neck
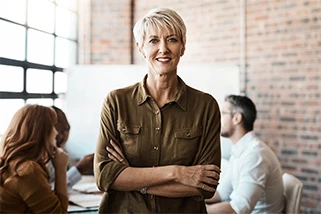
<point>163,88</point>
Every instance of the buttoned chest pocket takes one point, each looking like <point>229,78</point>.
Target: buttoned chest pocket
<point>129,137</point>
<point>187,144</point>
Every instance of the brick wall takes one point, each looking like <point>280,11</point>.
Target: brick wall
<point>283,57</point>
<point>284,70</point>
<point>111,31</point>
<point>84,32</point>
<point>211,38</point>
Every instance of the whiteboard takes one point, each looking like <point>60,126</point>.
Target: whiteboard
<point>88,86</point>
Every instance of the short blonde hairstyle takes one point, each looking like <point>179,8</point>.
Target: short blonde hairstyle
<point>159,19</point>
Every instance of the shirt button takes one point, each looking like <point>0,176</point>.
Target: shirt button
<point>188,134</point>
<point>123,129</point>
<point>155,148</point>
<point>156,112</point>
<point>157,129</point>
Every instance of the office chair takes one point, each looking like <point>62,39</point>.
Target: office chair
<point>293,188</point>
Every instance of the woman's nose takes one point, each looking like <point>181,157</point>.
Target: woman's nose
<point>163,48</point>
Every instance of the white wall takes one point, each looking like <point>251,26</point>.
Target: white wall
<point>88,86</point>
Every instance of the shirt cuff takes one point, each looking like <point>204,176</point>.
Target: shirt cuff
<point>73,176</point>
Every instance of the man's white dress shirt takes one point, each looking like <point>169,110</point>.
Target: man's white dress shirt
<point>253,181</point>
<point>73,175</point>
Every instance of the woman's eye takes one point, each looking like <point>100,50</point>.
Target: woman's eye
<point>172,40</point>
<point>153,41</point>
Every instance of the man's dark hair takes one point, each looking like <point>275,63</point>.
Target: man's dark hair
<point>245,106</point>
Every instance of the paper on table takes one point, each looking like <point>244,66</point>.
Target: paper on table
<point>86,200</point>
<point>86,188</point>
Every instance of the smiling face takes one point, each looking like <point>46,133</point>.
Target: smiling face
<point>162,50</point>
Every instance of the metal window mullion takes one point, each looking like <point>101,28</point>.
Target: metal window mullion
<point>25,66</point>
<point>54,49</point>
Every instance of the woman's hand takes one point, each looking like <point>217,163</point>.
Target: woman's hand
<point>59,158</point>
<point>199,176</point>
<point>116,154</point>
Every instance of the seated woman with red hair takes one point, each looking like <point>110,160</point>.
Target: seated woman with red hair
<point>27,146</point>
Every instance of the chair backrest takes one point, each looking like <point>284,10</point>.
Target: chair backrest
<point>293,188</point>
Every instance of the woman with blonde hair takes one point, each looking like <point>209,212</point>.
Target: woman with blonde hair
<point>27,146</point>
<point>162,136</point>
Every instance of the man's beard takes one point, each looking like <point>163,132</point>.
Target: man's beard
<point>227,134</point>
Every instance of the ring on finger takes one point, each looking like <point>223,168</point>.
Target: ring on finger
<point>121,160</point>
<point>203,186</point>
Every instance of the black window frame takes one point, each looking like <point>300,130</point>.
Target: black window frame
<point>29,65</point>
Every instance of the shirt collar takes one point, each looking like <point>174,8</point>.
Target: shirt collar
<point>142,91</point>
<point>241,145</point>
<point>180,99</point>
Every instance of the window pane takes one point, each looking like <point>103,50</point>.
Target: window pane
<point>65,53</point>
<point>71,4</point>
<point>12,41</point>
<point>60,82</point>
<point>39,81</point>
<point>44,101</point>
<point>60,103</point>
<point>8,108</point>
<point>40,47</point>
<point>14,10</point>
<point>41,15</point>
<point>11,78</point>
<point>66,23</point>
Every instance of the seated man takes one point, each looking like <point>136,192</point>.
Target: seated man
<point>253,180</point>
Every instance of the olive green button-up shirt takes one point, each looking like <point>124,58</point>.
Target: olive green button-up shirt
<point>185,132</point>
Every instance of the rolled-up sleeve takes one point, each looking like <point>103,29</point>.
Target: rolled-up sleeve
<point>245,199</point>
<point>106,170</point>
<point>210,152</point>
<point>251,184</point>
<point>73,176</point>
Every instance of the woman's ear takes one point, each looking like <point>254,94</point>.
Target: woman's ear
<point>142,52</point>
<point>140,48</point>
<point>183,51</point>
